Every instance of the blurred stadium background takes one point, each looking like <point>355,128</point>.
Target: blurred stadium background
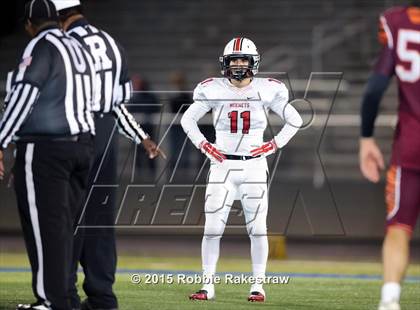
<point>323,206</point>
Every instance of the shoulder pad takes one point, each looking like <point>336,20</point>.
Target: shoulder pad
<point>393,10</point>
<point>274,80</point>
<point>206,81</point>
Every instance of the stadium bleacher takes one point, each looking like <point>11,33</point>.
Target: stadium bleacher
<point>188,36</point>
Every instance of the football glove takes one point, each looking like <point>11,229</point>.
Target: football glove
<point>211,151</point>
<point>266,149</point>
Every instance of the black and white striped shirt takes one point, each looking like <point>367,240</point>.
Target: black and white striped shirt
<point>111,67</point>
<point>51,92</point>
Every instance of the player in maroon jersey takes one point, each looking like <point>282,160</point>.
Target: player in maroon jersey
<point>400,56</point>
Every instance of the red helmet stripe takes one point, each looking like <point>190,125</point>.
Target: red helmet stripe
<point>237,44</point>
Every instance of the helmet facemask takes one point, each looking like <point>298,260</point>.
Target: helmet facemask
<point>237,72</point>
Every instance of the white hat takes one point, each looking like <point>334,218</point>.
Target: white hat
<point>65,4</point>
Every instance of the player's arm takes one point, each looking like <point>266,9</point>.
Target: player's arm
<point>293,122</point>
<point>127,125</point>
<point>370,156</point>
<point>189,124</point>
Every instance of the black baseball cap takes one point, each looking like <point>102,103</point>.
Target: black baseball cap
<point>40,9</point>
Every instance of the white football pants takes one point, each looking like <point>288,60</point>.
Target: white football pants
<point>245,180</point>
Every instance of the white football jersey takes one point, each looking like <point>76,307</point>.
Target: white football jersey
<point>240,114</point>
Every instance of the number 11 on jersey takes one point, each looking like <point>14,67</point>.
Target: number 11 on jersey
<point>246,121</point>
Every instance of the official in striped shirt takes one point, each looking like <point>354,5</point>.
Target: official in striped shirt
<point>48,115</point>
<point>95,247</point>
<point>114,88</point>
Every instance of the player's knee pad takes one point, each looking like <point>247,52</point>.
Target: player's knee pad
<point>256,229</point>
<point>212,237</point>
<point>212,233</point>
<point>215,224</point>
<point>214,230</point>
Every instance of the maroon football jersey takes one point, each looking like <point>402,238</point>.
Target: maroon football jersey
<point>400,31</point>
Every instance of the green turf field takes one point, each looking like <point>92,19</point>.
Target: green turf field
<point>299,293</point>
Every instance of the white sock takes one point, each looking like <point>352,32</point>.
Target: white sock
<point>259,255</point>
<point>391,291</point>
<point>210,248</point>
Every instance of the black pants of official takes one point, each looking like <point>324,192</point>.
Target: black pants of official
<point>50,183</point>
<point>94,247</point>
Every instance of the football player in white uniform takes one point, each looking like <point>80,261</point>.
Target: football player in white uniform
<point>239,103</point>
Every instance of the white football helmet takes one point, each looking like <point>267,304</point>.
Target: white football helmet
<point>240,48</point>
<point>65,4</point>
